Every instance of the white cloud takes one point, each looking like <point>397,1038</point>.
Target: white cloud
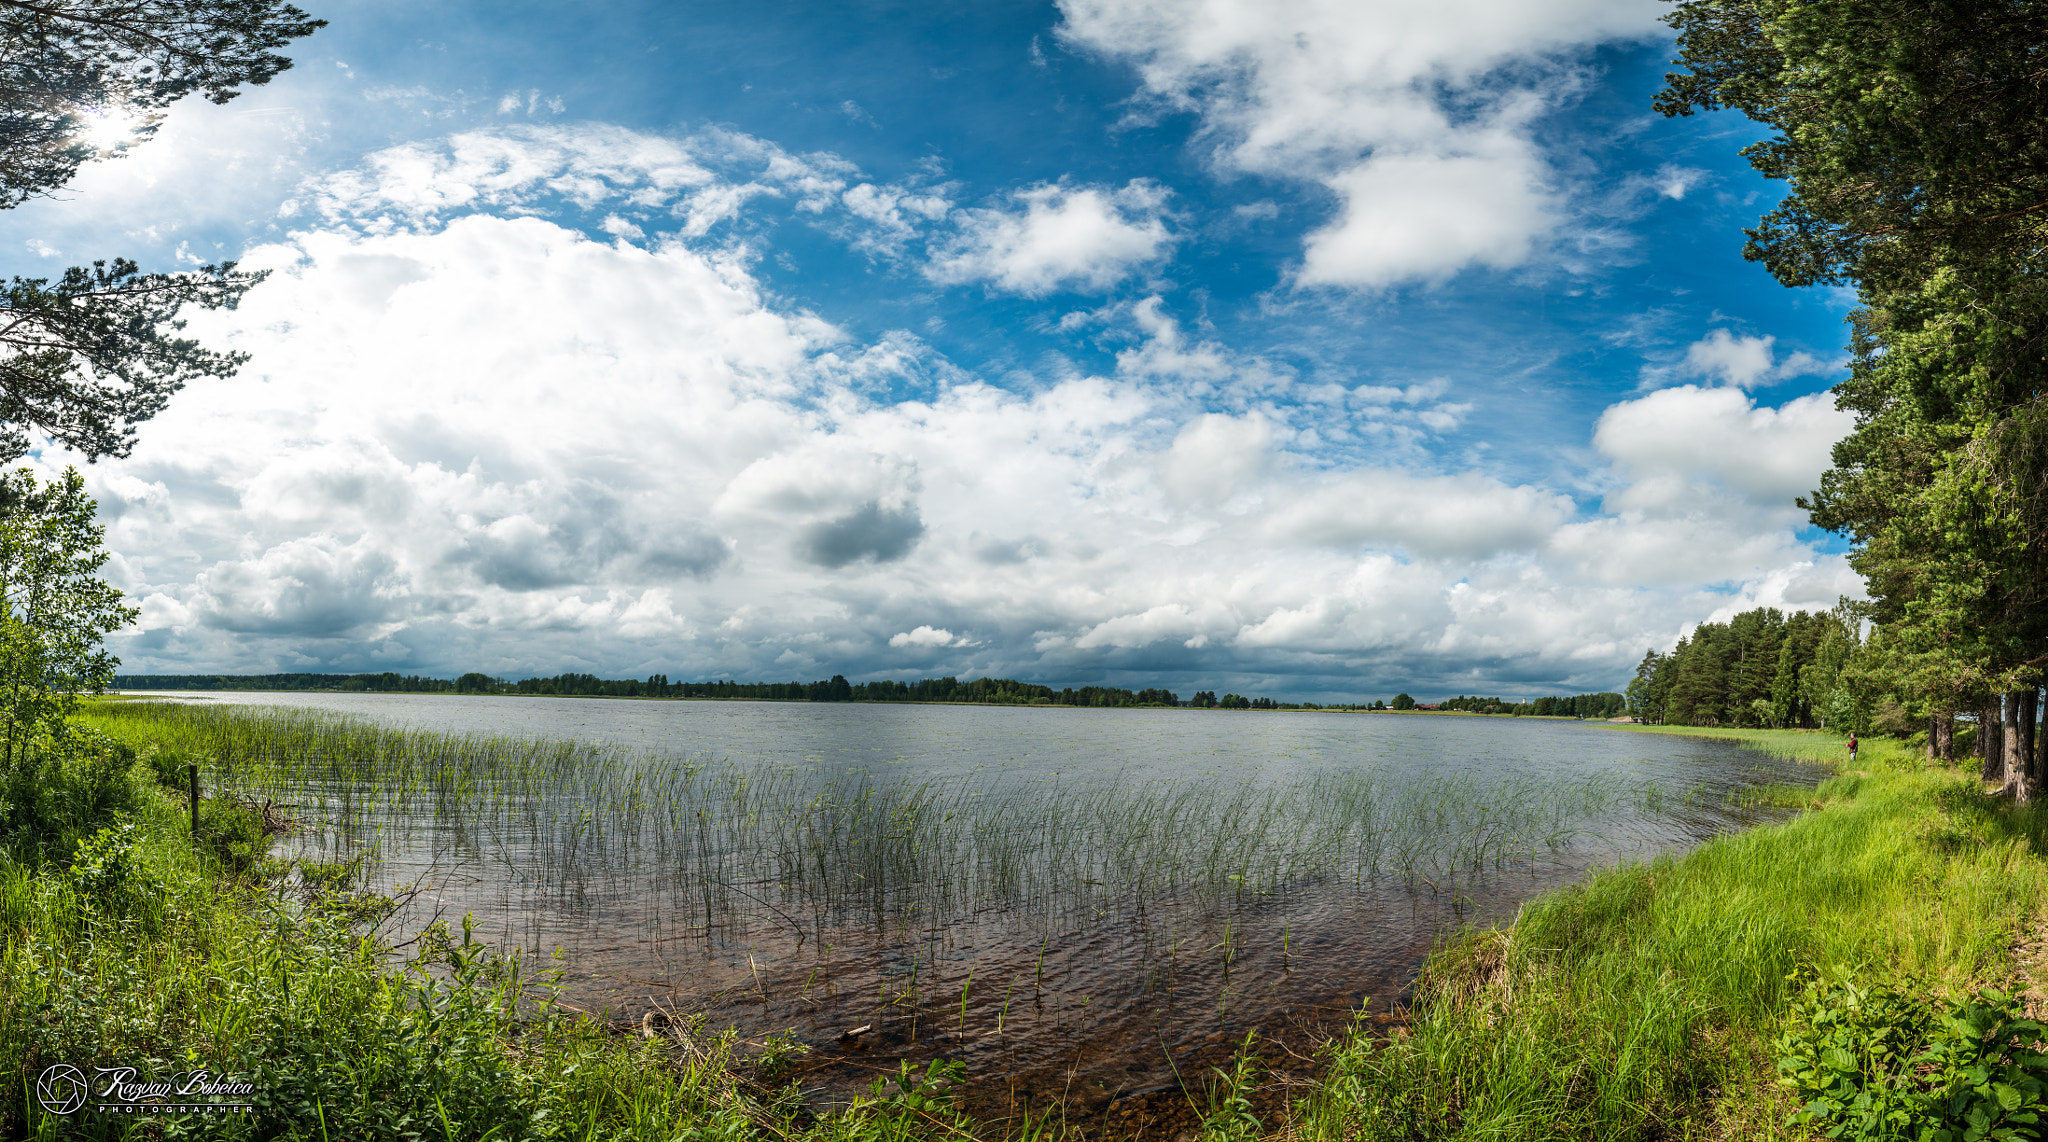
<point>1744,361</point>
<point>514,167</point>
<point>893,215</point>
<point>1192,627</point>
<point>926,637</point>
<point>1675,182</point>
<point>1212,455</point>
<point>1425,216</point>
<point>1722,435</point>
<point>1085,239</point>
<point>1416,116</point>
<point>1709,479</point>
<point>1165,351</point>
<point>479,441</point>
<point>1466,517</point>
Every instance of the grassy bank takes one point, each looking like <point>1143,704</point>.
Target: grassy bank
<point>1644,1002</point>
<point>149,945</point>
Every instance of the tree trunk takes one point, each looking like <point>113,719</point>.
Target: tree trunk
<point>2018,774</point>
<point>2040,740</point>
<point>1990,743</point>
<point>1941,737</point>
<point>2026,751</point>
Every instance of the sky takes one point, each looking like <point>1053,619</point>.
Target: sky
<point>1310,349</point>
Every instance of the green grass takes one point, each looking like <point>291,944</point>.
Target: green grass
<point>151,950</point>
<point>1818,746</point>
<point>1641,1003</point>
<point>1638,1004</point>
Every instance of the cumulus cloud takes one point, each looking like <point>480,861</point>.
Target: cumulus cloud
<point>1724,436</point>
<point>1191,626</point>
<point>892,215</point>
<point>1212,456</point>
<point>1466,517</point>
<point>926,637</point>
<point>1424,217</point>
<point>1709,478</point>
<point>1744,361</point>
<point>497,169</point>
<point>1165,351</point>
<point>1417,117</point>
<point>312,587</point>
<point>487,439</point>
<point>1057,237</point>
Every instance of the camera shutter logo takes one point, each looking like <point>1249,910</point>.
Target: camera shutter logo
<point>62,1089</point>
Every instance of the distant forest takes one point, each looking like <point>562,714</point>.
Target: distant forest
<point>1760,668</point>
<point>988,691</point>
<point>995,691</point>
<point>1605,705</point>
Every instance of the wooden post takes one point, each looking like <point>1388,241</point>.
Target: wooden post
<point>192,771</point>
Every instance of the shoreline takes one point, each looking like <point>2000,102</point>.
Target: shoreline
<point>1398,1060</point>
<point>1646,1000</point>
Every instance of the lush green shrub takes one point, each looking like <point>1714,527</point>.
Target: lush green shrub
<point>103,865</point>
<point>1882,1061</point>
<point>61,787</point>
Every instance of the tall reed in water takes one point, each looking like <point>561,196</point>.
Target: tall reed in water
<point>734,846</point>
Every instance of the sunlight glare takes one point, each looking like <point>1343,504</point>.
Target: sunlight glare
<point>111,129</point>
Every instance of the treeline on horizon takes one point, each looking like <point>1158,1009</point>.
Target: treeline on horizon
<point>990,691</point>
<point>1760,668</point>
<point>1603,705</point>
<point>978,691</point>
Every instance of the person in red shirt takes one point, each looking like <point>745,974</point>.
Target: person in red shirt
<point>1852,747</point>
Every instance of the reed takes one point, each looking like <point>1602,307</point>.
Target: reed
<point>175,961</point>
<point>749,850</point>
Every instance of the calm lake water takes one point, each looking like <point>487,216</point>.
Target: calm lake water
<point>1063,978</point>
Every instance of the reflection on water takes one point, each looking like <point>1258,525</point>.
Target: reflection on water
<point>1078,904</point>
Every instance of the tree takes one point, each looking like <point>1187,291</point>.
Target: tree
<point>88,358</point>
<point>1645,695</point>
<point>64,63</point>
<point>1913,135</point>
<point>1403,702</point>
<point>55,608</point>
<point>97,351</point>
<point>55,613</point>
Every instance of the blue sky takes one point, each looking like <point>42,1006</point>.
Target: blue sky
<point>1303,349</point>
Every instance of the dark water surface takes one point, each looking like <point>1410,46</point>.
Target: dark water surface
<point>1066,979</point>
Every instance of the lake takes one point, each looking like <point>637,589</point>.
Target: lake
<point>1078,904</point>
